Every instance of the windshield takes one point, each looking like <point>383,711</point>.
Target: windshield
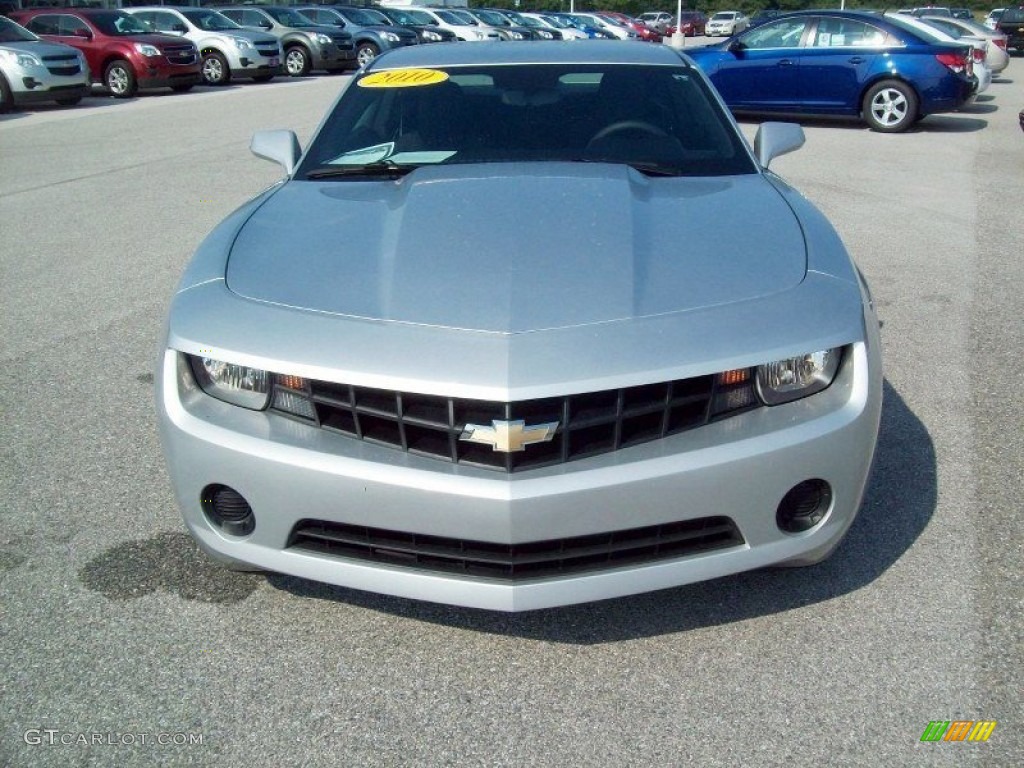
<point>211,21</point>
<point>723,17</point>
<point>14,33</point>
<point>662,120</point>
<point>494,19</point>
<point>456,21</point>
<point>416,18</point>
<point>289,18</point>
<point>361,17</point>
<point>118,23</point>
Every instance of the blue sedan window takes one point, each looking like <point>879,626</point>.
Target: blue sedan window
<point>779,34</point>
<point>846,33</point>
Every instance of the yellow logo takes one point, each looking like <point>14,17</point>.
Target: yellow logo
<point>403,78</point>
<point>509,436</point>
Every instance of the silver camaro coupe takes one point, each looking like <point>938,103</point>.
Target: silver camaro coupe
<point>482,347</point>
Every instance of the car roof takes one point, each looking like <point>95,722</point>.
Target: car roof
<point>538,52</point>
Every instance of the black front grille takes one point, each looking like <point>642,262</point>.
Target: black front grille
<point>180,54</point>
<point>62,64</point>
<point>516,562</point>
<point>268,50</point>
<point>587,424</point>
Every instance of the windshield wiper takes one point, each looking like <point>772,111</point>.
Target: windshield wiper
<point>383,169</point>
<point>647,169</point>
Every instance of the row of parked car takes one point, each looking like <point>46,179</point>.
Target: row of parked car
<point>59,50</point>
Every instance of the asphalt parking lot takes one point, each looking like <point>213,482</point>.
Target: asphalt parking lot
<point>120,645</point>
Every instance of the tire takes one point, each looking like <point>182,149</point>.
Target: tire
<point>6,97</point>
<point>182,87</point>
<point>215,69</point>
<point>889,106</point>
<point>296,61</point>
<point>365,53</point>
<point>119,78</point>
<point>69,101</point>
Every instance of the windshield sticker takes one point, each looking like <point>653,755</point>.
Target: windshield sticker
<point>403,78</point>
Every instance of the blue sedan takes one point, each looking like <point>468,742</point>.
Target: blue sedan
<point>839,63</point>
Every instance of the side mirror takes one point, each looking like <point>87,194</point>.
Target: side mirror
<point>179,28</point>
<point>279,146</point>
<point>774,139</point>
<point>736,46</point>
<point>83,32</point>
<point>264,24</point>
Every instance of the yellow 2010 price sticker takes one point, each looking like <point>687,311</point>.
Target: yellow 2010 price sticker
<point>403,78</point>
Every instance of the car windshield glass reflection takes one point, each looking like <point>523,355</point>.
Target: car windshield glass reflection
<point>661,120</point>
<point>12,33</point>
<point>118,23</point>
<point>291,18</point>
<point>210,21</point>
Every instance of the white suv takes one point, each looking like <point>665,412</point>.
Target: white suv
<point>227,49</point>
<point>726,24</point>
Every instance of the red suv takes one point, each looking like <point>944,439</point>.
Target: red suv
<point>122,53</point>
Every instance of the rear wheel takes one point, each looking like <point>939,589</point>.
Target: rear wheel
<point>120,79</point>
<point>215,69</point>
<point>365,53</point>
<point>296,61</point>
<point>889,106</point>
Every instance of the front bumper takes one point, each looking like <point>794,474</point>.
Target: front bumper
<point>334,57</point>
<point>740,467</point>
<point>31,84</point>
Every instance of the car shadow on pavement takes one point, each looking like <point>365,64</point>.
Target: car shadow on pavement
<point>898,505</point>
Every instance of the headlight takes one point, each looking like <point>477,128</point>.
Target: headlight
<point>322,39</point>
<point>391,37</point>
<point>147,50</point>
<point>542,34</point>
<point>428,35</point>
<point>21,59</point>
<point>236,384</point>
<point>241,42</point>
<point>516,35</point>
<point>785,380</point>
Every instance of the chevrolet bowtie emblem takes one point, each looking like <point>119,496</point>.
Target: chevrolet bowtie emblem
<point>509,436</point>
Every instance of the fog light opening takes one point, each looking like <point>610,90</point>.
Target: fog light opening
<point>804,506</point>
<point>227,509</point>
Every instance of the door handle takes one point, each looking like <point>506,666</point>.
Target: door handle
<point>785,62</point>
<point>856,59</point>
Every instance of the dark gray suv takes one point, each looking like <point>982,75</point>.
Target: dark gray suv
<point>307,45</point>
<point>371,30</point>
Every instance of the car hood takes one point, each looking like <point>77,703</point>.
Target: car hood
<point>518,249</point>
<point>40,48</point>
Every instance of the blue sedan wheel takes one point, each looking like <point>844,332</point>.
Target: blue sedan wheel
<point>890,106</point>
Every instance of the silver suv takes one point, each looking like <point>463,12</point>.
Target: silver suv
<point>306,45</point>
<point>227,49</point>
<point>33,70</point>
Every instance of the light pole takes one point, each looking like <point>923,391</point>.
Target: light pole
<point>678,37</point>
